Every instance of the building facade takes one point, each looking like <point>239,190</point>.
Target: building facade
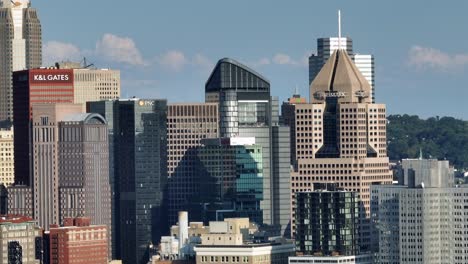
<point>46,160</point>
<point>21,45</point>
<point>246,109</point>
<point>187,125</point>
<point>141,175</point>
<point>230,241</point>
<point>78,242</point>
<point>7,163</point>
<point>288,118</point>
<point>360,259</point>
<point>20,240</point>
<point>83,168</point>
<point>327,46</point>
<point>231,180</point>
<point>327,222</point>
<point>341,136</point>
<point>34,87</point>
<point>422,221</point>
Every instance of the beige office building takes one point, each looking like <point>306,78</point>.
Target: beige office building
<point>230,242</point>
<point>95,85</point>
<point>187,125</point>
<point>7,165</point>
<point>91,84</point>
<point>341,136</point>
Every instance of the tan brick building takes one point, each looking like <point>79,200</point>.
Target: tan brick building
<point>341,136</point>
<point>7,164</point>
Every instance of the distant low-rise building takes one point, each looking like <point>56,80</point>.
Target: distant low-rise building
<point>232,241</point>
<point>360,259</point>
<point>20,240</point>
<point>78,242</point>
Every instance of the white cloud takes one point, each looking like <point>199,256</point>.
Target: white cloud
<point>119,49</point>
<point>283,59</point>
<point>173,60</point>
<point>261,62</point>
<point>426,57</point>
<point>55,51</point>
<point>202,61</point>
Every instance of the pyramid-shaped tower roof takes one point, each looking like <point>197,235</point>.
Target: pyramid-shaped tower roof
<point>340,77</point>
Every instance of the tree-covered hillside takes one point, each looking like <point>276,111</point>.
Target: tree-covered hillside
<point>441,138</point>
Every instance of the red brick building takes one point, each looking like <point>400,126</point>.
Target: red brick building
<point>78,242</point>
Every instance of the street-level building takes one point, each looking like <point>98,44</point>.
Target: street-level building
<point>20,240</point>
<point>77,241</point>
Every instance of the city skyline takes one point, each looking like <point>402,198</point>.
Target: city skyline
<point>170,54</point>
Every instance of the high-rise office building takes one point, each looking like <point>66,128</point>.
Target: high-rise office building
<point>7,164</point>
<point>327,46</point>
<point>91,84</point>
<point>33,87</point>
<point>187,125</point>
<point>140,164</point>
<point>423,220</point>
<point>83,169</point>
<point>78,241</point>
<point>230,180</point>
<point>341,136</point>
<point>246,109</point>
<point>20,240</point>
<point>63,85</point>
<point>327,222</point>
<point>288,118</point>
<point>106,110</point>
<point>46,161</point>
<point>21,46</point>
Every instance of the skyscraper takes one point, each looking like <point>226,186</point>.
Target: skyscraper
<point>424,220</point>
<point>84,187</point>
<point>141,174</point>
<point>21,46</point>
<point>288,118</point>
<point>33,87</point>
<point>246,109</point>
<point>45,135</point>
<point>341,135</point>
<point>187,125</point>
<point>327,46</point>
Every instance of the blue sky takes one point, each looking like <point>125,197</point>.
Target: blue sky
<point>166,49</point>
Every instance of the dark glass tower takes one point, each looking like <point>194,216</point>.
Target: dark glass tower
<point>327,222</point>
<point>140,173</point>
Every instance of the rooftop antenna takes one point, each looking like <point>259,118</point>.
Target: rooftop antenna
<point>296,91</point>
<point>339,29</point>
<point>420,154</point>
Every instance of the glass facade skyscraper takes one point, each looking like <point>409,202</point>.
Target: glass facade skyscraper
<point>246,109</point>
<point>231,179</point>
<point>139,162</point>
<point>327,222</point>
